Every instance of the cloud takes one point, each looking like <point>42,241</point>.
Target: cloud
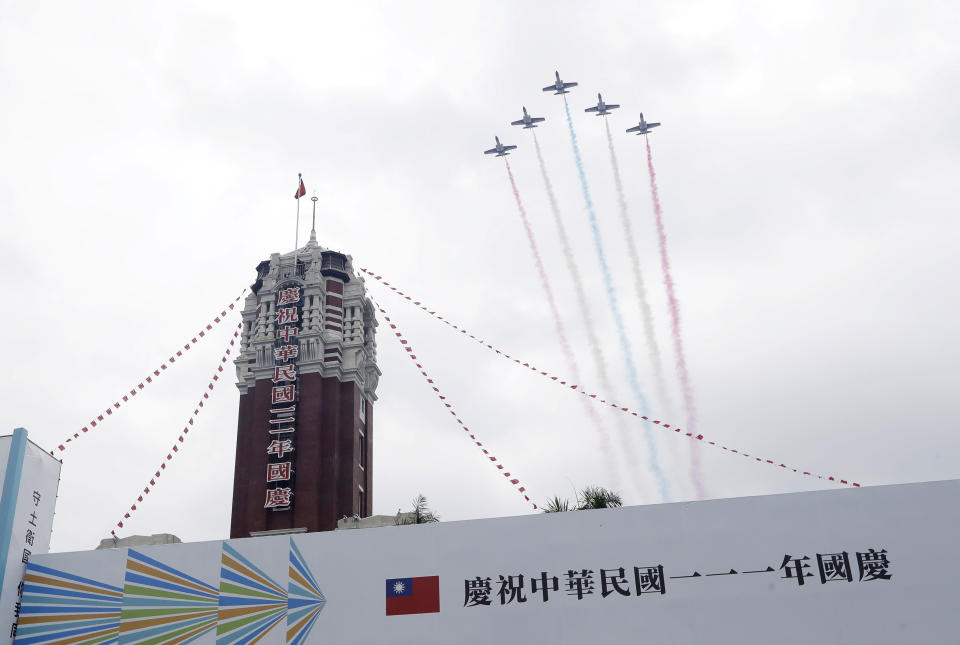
<point>806,167</point>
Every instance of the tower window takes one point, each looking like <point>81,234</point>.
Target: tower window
<point>363,450</point>
<point>361,501</point>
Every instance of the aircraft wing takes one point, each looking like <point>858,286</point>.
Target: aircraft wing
<point>520,122</point>
<point>612,106</point>
<point>566,85</point>
<point>635,128</point>
<point>652,125</point>
<point>549,88</point>
<point>509,147</point>
<point>592,109</point>
<point>490,151</point>
<point>537,119</point>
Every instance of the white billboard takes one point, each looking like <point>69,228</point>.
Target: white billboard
<point>30,478</point>
<point>870,565</point>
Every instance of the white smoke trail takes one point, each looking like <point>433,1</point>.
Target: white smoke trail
<point>594,343</point>
<point>558,324</point>
<point>653,348</point>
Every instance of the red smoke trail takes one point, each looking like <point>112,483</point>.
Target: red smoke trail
<point>558,323</point>
<point>653,347</point>
<point>674,307</point>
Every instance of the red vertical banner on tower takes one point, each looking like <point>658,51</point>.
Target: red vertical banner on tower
<point>283,398</point>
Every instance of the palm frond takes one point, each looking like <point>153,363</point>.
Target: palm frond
<point>556,505</point>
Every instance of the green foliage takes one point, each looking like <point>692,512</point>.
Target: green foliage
<point>587,498</point>
<point>556,505</point>
<point>419,514</point>
<point>597,497</point>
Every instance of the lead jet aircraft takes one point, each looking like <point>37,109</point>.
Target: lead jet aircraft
<point>528,121</point>
<point>643,126</point>
<point>559,87</point>
<point>601,108</point>
<point>501,149</point>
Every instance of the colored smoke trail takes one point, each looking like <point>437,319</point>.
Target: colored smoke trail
<point>569,259</point>
<point>674,307</point>
<point>558,323</point>
<point>572,267</point>
<point>615,308</point>
<point>653,347</point>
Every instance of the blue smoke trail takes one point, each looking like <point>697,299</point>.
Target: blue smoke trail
<point>615,309</point>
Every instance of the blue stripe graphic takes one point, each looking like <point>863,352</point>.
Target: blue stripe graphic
<point>159,565</point>
<point>36,568</point>
<point>615,309</point>
<point>227,574</point>
<point>136,578</point>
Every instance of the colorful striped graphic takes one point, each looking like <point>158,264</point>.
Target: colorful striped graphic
<point>305,601</point>
<point>164,605</point>
<point>59,607</point>
<point>159,604</point>
<point>250,603</point>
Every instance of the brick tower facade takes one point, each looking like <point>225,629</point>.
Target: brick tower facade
<point>307,374</point>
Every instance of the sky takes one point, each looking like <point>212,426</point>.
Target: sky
<point>807,165</point>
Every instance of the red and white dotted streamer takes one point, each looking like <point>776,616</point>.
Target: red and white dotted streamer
<point>579,390</point>
<point>186,429</point>
<point>514,481</point>
<point>149,379</point>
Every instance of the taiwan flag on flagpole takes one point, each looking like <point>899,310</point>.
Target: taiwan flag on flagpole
<point>301,191</point>
<point>413,595</point>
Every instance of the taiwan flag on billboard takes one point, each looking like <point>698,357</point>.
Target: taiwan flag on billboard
<point>413,595</point>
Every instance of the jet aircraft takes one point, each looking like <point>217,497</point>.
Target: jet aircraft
<point>501,149</point>
<point>643,126</point>
<point>601,108</point>
<point>559,87</point>
<point>528,121</point>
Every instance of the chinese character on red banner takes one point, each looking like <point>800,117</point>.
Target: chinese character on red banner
<point>288,315</point>
<point>278,472</point>
<point>284,373</point>
<point>283,394</point>
<point>278,497</point>
<point>286,296</point>
<point>280,447</point>
<point>285,333</point>
<point>286,352</point>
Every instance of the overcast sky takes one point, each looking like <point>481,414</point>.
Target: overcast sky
<point>808,165</point>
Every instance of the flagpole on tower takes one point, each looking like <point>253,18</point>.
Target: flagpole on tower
<point>313,225</point>
<point>301,191</point>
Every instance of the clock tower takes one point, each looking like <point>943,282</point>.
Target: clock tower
<point>307,374</point>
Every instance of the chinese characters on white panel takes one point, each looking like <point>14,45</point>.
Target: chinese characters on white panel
<point>283,400</point>
<point>871,565</point>
<point>30,532</point>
